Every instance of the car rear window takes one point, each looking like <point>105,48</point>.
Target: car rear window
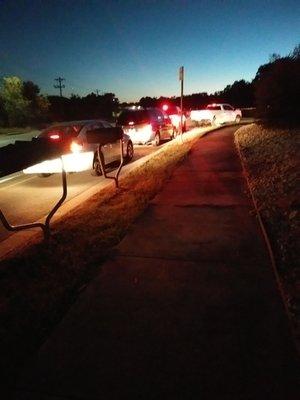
<point>136,117</point>
<point>68,131</point>
<point>213,107</point>
<point>171,110</point>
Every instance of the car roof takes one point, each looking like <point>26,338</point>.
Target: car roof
<point>79,122</point>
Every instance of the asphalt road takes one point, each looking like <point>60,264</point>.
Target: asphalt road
<point>27,198</point>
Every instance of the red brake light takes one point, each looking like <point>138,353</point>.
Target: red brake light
<point>165,107</point>
<point>130,123</point>
<point>54,136</point>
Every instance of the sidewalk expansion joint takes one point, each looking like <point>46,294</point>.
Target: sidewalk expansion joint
<point>210,205</point>
<point>175,258</point>
<point>50,396</point>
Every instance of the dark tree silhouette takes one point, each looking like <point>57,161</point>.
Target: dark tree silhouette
<point>277,88</point>
<point>30,90</point>
<point>148,102</point>
<point>239,94</point>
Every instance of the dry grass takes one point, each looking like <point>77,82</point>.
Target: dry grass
<point>15,131</point>
<point>272,160</point>
<point>37,287</point>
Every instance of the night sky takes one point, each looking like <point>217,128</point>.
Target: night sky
<point>134,48</point>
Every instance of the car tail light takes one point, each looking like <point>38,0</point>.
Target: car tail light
<point>54,136</point>
<point>76,147</point>
<point>149,126</point>
<point>131,123</point>
<point>146,129</point>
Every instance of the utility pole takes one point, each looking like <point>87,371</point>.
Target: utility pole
<point>59,85</point>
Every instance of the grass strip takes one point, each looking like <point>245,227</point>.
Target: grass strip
<point>15,130</point>
<point>272,160</point>
<point>38,286</point>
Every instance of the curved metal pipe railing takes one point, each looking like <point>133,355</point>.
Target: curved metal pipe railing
<point>102,164</point>
<point>46,226</point>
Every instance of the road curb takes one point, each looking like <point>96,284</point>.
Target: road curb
<point>6,178</point>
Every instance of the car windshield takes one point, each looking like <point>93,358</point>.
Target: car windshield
<point>134,117</point>
<point>61,130</point>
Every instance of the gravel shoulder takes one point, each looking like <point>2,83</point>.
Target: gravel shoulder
<point>271,158</point>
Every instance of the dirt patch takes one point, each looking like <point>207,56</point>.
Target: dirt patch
<point>272,161</point>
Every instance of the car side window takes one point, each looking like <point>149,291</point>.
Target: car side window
<point>106,124</point>
<point>214,108</point>
<point>91,127</point>
<point>227,107</point>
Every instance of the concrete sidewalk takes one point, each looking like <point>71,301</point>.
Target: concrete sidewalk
<point>187,309</point>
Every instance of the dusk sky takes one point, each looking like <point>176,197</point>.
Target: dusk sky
<point>134,48</point>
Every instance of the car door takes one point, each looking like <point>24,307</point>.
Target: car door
<point>229,115</point>
<point>112,148</point>
<point>217,113</point>
<point>106,151</point>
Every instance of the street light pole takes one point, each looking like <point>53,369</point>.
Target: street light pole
<point>181,78</point>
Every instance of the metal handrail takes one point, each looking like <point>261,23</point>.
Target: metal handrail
<point>102,164</point>
<point>46,226</point>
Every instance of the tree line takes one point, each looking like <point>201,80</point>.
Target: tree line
<point>21,104</point>
<point>274,92</point>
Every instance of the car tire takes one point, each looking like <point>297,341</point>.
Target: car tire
<point>237,119</point>
<point>156,141</point>
<point>129,152</point>
<point>44,175</point>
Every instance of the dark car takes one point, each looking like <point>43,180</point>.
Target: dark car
<point>150,125</point>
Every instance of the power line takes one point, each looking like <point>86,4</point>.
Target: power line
<point>59,86</point>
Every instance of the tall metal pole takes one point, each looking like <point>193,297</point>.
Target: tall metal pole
<point>181,78</point>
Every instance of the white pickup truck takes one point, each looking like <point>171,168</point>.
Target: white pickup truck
<point>216,114</point>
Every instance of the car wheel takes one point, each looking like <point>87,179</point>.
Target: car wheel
<point>129,152</point>
<point>44,175</point>
<point>237,119</point>
<point>156,141</point>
